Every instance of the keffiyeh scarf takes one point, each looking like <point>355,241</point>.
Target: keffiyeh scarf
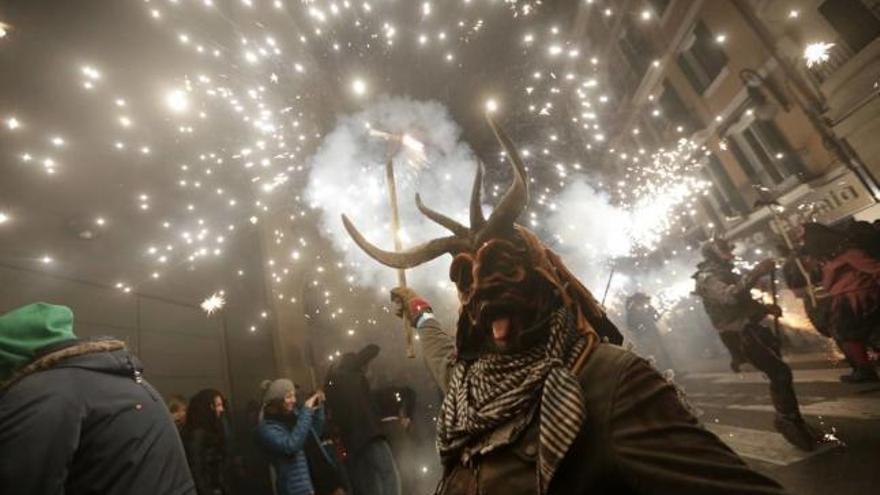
<point>497,388</point>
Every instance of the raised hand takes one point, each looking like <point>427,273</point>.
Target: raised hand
<point>408,304</point>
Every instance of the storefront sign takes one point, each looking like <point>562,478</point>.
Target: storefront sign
<point>827,200</point>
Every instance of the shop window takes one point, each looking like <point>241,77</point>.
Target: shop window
<point>856,21</point>
<point>702,59</point>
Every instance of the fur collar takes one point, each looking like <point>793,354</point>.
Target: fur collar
<point>51,359</point>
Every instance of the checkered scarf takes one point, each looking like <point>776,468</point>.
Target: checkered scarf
<point>498,388</point>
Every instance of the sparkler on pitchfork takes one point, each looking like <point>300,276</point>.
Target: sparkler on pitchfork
<point>417,151</point>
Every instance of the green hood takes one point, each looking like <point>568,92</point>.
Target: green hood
<point>25,330</point>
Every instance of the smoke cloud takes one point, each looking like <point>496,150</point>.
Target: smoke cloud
<point>590,233</point>
<point>348,176</point>
<point>583,225</point>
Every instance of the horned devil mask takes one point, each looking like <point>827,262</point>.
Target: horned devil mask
<point>499,268</point>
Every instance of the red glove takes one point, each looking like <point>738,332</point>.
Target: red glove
<point>409,303</point>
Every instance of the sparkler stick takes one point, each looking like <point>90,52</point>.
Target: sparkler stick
<point>608,285</point>
<point>395,227</point>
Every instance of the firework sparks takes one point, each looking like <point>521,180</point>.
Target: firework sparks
<point>213,303</point>
<point>817,53</point>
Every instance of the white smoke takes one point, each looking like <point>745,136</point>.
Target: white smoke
<point>591,234</point>
<point>348,176</point>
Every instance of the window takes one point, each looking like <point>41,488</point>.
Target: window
<point>636,47</point>
<point>675,110</point>
<point>764,153</point>
<point>710,209</point>
<point>856,23</point>
<point>724,191</point>
<point>703,59</point>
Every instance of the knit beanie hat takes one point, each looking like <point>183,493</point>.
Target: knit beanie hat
<point>277,389</point>
<point>25,330</point>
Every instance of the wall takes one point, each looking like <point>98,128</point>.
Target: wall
<point>181,348</point>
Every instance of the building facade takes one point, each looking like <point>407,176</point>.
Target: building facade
<point>777,126</point>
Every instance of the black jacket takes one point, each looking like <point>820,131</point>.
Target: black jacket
<point>350,402</point>
<point>80,419</point>
<point>208,461</point>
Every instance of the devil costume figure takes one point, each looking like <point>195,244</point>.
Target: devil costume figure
<point>536,399</point>
<point>737,317</point>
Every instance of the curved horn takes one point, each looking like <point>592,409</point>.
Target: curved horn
<point>515,199</point>
<point>411,257</point>
<point>456,228</point>
<point>477,220</point>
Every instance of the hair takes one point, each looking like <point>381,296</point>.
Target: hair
<point>200,412</point>
<point>274,407</point>
<point>176,402</point>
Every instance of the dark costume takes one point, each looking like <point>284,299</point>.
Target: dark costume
<point>818,312</point>
<point>396,407</point>
<point>79,418</point>
<point>737,317</point>
<point>641,320</point>
<point>851,277</point>
<point>558,411</point>
<point>370,463</point>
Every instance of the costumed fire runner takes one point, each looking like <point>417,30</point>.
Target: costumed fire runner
<point>737,317</point>
<point>535,400</point>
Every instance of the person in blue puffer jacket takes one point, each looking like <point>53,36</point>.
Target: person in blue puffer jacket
<point>290,436</point>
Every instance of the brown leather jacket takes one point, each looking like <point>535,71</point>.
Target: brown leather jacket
<point>638,438</point>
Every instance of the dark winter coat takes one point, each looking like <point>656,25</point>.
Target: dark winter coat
<point>350,402</point>
<point>207,455</point>
<point>80,419</point>
<point>638,438</point>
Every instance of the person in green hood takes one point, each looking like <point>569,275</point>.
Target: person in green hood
<point>28,329</point>
<point>75,414</point>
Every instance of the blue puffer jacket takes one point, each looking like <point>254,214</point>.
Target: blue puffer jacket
<point>285,446</point>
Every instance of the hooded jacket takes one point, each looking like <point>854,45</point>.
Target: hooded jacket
<point>80,418</point>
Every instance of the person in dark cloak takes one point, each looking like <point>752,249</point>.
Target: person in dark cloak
<point>371,465</point>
